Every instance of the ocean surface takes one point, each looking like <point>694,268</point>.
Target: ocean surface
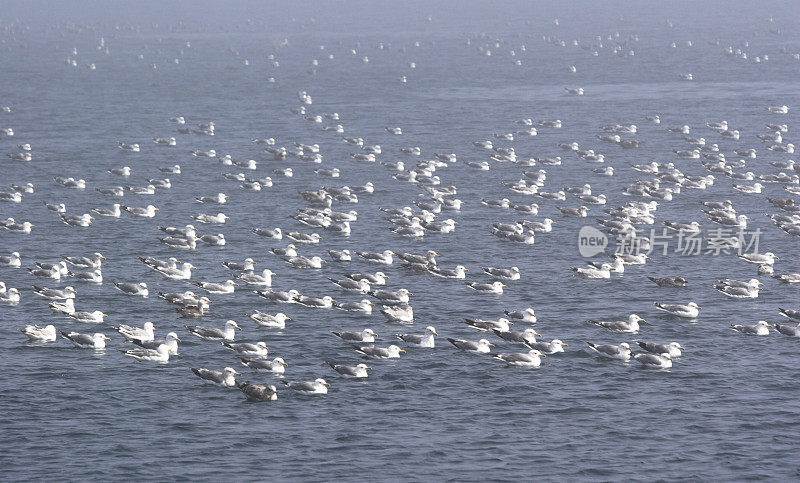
<point>727,410</point>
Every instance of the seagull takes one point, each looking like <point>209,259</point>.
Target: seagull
<point>506,273</point>
<point>391,352</point>
<point>428,258</point>
<point>621,352</point>
<point>148,212</point>
<point>221,198</point>
<point>88,317</point>
<point>325,302</point>
<point>225,378</point>
<point>171,341</point>
<point>398,297</point>
<point>738,292</point>
<point>182,273</point>
<point>55,294</point>
<point>259,349</point>
<point>501,324</point>
<point>213,333</point>
<point>548,347</point>
<point>788,278</point>
<point>59,208</point>
<point>317,386</point>
<point>161,354</point>
<point>187,232</point>
<point>482,346</point>
<point>36,333</point>
<point>130,332</point>
<point>83,220</point>
<point>759,259</point>
<point>86,341</point>
<point>313,238</point>
<point>459,272</point>
<point>276,366</point>
<point>669,281</point>
<point>277,321</point>
<point>366,335</point>
<point>11,225</point>
<point>340,255</point>
<point>527,336</point>
<point>263,280</point>
<point>532,358</point>
<point>654,361</point>
<point>53,273</point>
<point>631,325</point>
<point>124,171</point>
<point>792,331</point>
<point>378,278</point>
<point>86,262</point>
<point>364,306</point>
<point>256,392</point>
<point>275,234</point>
<point>10,296</point>
<point>95,276</point>
<point>66,307</point>
<point>114,211</point>
<point>689,311</point>
<point>361,286</point>
<point>525,315</point>
<point>673,348</point>
<point>604,271</point>
<point>278,296</point>
<point>384,258</point>
<point>420,340</point>
<point>219,218</point>
<point>218,288</point>
<point>402,313</point>
<point>760,328</point>
<point>359,371</point>
<point>494,287</point>
<point>137,289</point>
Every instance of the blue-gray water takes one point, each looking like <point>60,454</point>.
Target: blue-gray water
<point>726,410</point>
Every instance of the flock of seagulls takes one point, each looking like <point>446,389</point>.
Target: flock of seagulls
<point>362,285</point>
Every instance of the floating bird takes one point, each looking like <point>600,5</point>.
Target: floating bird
<point>359,371</point>
<point>85,341</point>
<point>213,333</point>
<point>257,393</point>
<point>621,351</point>
<point>654,361</point>
<point>259,349</point>
<point>760,328</point>
<point>160,354</point>
<point>483,346</point>
<point>532,358</point>
<point>317,386</point>
<point>673,348</point>
<point>690,310</point>
<point>224,378</point>
<point>36,333</point>
<point>391,352</point>
<point>631,325</point>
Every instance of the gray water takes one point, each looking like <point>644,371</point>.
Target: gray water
<point>726,410</point>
